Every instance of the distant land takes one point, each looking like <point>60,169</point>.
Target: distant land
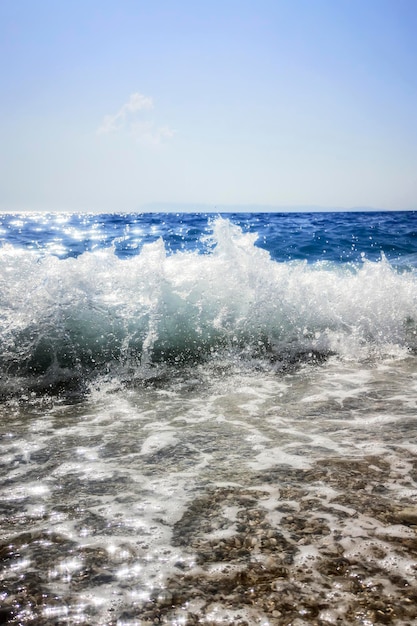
<point>198,207</point>
<point>176,207</point>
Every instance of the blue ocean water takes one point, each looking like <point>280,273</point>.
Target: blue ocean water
<point>337,237</point>
<point>208,419</point>
<point>89,294</point>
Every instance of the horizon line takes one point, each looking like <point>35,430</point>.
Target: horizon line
<point>199,207</point>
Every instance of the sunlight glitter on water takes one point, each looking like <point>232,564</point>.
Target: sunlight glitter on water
<point>224,485</point>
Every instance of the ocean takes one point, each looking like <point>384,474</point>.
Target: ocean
<point>208,419</point>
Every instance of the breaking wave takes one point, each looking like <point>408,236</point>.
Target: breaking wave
<point>73,318</point>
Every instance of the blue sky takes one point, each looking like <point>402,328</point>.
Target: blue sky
<point>112,105</point>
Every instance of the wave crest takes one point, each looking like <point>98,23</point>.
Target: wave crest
<point>75,317</point>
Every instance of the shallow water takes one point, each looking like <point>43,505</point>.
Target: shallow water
<point>224,494</point>
<point>200,428</point>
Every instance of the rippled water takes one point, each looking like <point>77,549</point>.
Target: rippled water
<point>210,438</point>
<point>225,496</point>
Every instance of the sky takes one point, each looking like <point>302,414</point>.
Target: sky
<point>116,105</point>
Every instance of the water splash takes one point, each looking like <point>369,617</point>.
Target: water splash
<point>77,317</point>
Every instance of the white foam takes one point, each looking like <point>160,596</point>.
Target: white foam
<point>277,456</point>
<point>156,442</point>
<point>99,310</point>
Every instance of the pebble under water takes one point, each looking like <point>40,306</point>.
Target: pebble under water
<point>222,496</point>
<point>208,420</point>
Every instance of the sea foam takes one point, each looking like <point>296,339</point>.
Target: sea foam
<point>97,312</point>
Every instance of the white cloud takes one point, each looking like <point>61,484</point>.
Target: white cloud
<point>136,103</point>
<point>149,133</point>
<point>129,117</point>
